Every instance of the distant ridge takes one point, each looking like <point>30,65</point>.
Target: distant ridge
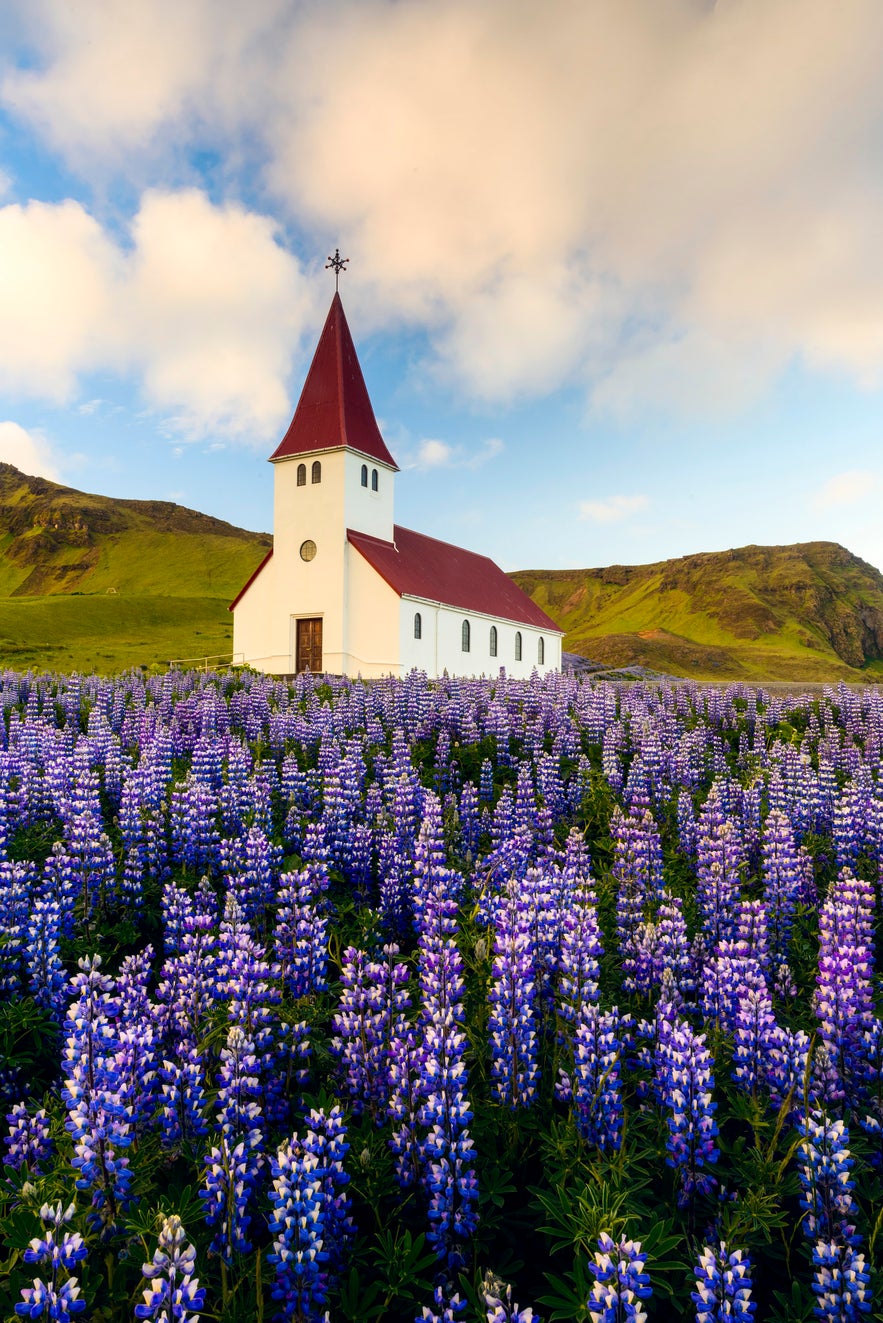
<point>93,582</point>
<point>811,611</point>
<point>54,539</point>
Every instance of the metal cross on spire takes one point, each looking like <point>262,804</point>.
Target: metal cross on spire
<point>338,264</point>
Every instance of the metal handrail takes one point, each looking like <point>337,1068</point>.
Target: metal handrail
<point>203,662</point>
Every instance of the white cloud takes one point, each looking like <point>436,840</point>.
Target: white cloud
<point>206,306</point>
<point>848,488</point>
<point>434,454</point>
<point>28,451</point>
<point>613,509</point>
<point>664,202</point>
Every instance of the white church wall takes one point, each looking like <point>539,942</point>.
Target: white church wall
<point>364,509</point>
<point>441,646</point>
<point>260,633</point>
<point>313,588</point>
<point>373,610</point>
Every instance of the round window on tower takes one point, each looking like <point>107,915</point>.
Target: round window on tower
<point>307,549</point>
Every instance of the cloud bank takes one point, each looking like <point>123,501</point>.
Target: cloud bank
<point>204,305</point>
<point>663,202</point>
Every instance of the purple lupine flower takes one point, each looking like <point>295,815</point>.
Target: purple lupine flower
<point>60,1252</point>
<point>753,1037</point>
<point>842,1283</point>
<point>406,1063</point>
<point>298,1224</point>
<point>687,1095</point>
<point>445,1308</point>
<point>230,1174</point>
<point>182,1098</point>
<point>719,859</point>
<point>596,1084</point>
<point>620,1282</point>
<point>239,1112</point>
<point>301,942</point>
<point>447,1150</point>
<point>783,881</point>
<point>325,1138</point>
<point>823,1167</point>
<point>47,980</point>
<point>28,1141</point>
<point>723,1285</point>
<point>174,1294</point>
<point>499,1305</point>
<point>845,980</point>
<point>581,950</point>
<point>512,1022</point>
<point>637,871</point>
<point>98,1117</point>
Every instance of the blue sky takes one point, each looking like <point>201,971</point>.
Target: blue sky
<point>616,278</point>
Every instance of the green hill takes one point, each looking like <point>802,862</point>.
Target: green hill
<point>89,582</point>
<point>811,611</point>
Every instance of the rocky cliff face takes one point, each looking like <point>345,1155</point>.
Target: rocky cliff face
<point>814,599</point>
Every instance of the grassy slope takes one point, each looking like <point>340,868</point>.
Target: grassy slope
<point>811,611</point>
<point>89,583</point>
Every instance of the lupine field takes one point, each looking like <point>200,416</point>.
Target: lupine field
<point>479,1000</point>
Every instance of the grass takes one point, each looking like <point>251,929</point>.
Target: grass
<point>108,634</point>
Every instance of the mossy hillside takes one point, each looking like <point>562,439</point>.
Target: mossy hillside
<point>110,634</point>
<point>810,611</point>
<point>55,540</point>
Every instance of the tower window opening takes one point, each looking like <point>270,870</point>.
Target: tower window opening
<point>317,471</point>
<point>301,475</point>
<point>375,481</point>
<point>364,475</point>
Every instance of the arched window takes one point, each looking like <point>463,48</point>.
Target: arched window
<point>301,475</point>
<point>317,471</point>
<point>541,651</point>
<point>364,475</point>
<point>374,480</point>
<point>518,645</point>
<point>493,640</point>
<point>418,625</point>
<point>464,636</point>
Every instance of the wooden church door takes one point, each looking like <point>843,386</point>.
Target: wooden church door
<point>309,646</point>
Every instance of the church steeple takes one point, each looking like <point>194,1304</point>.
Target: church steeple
<point>334,407</point>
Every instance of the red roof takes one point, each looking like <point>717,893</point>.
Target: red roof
<point>420,566</point>
<point>334,408</point>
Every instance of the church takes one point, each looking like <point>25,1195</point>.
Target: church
<point>344,588</point>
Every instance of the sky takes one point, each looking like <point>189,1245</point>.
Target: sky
<point>615,266</point>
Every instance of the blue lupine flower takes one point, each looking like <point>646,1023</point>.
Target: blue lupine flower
<point>823,1167</point>
<point>723,1285</point>
<point>841,1283</point>
<point>54,1299</point>
<point>28,1142</point>
<point>230,1174</point>
<point>512,1023</point>
<point>298,1224</point>
<point>499,1305</point>
<point>174,1294</point>
<point>596,1085</point>
<point>620,1282</point>
<point>688,1098</point>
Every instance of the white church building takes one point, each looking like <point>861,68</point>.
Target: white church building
<point>344,588</point>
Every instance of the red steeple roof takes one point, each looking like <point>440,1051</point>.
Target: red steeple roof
<point>334,408</point>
